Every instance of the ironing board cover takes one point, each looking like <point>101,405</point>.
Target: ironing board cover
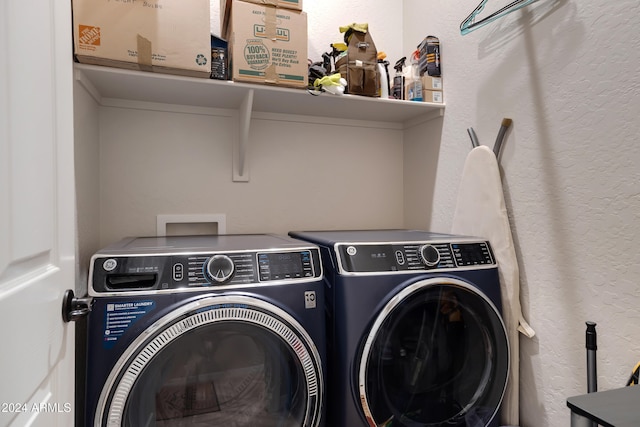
<point>480,211</point>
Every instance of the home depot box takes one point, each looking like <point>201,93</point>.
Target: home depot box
<point>167,36</point>
<point>225,8</point>
<point>267,44</point>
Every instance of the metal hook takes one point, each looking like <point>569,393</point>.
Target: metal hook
<point>474,138</point>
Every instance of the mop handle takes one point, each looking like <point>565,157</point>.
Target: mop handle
<point>591,344</point>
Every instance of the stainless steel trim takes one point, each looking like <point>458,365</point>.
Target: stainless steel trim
<point>412,243</point>
<point>388,308</point>
<point>164,331</point>
<point>200,252</point>
<point>212,288</point>
<point>92,292</point>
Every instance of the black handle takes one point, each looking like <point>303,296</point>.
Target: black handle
<point>591,345</point>
<point>74,309</point>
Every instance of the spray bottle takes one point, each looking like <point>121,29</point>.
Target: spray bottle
<point>398,79</point>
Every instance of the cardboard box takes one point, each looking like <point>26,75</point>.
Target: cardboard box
<point>432,96</point>
<point>431,83</point>
<point>267,45</point>
<point>166,36</point>
<point>225,7</point>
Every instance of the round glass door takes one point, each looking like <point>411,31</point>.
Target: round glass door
<point>437,355</point>
<point>223,361</point>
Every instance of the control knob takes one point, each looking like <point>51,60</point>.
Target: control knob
<point>429,255</point>
<point>220,268</point>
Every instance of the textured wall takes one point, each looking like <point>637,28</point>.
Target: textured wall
<point>567,73</point>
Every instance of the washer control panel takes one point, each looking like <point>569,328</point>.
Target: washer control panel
<point>201,270</point>
<point>389,257</point>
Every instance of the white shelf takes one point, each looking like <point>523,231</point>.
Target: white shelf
<point>106,83</point>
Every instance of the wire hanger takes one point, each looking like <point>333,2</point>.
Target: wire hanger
<point>469,23</point>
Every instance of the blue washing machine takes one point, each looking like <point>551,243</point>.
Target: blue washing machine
<point>206,330</point>
<point>415,333</point>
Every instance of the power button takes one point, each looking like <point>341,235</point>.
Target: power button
<point>178,272</point>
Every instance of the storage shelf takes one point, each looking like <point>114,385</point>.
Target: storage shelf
<point>108,84</point>
<point>169,89</point>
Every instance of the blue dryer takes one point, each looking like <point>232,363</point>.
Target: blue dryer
<point>206,330</point>
<point>415,334</point>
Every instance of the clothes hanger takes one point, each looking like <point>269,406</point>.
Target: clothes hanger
<point>469,23</point>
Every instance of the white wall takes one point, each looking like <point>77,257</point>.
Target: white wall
<point>303,175</point>
<point>566,72</point>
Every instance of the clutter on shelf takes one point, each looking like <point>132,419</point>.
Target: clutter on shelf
<point>267,42</point>
<point>358,64</point>
<point>172,36</point>
<point>261,41</point>
<point>219,58</point>
<point>421,80</point>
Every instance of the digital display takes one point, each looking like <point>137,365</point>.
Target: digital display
<point>289,263</point>
<point>284,265</point>
<point>471,254</point>
<point>368,258</point>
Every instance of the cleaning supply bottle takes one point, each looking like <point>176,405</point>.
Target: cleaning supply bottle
<point>414,86</point>
<point>398,79</point>
<point>384,75</point>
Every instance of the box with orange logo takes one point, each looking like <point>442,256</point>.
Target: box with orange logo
<point>166,36</point>
<point>267,44</point>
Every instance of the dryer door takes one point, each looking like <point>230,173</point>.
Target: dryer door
<point>219,361</point>
<point>436,355</point>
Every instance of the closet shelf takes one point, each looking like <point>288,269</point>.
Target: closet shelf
<point>168,89</point>
<point>107,84</point>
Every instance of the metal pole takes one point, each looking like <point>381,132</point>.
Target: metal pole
<point>592,376</point>
<point>580,421</point>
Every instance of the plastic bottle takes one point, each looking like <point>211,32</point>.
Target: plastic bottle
<point>398,79</point>
<point>383,91</point>
<point>414,87</point>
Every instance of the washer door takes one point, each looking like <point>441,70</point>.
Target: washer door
<point>221,360</point>
<point>436,355</point>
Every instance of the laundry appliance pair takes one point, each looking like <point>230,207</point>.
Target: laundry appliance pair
<point>230,331</point>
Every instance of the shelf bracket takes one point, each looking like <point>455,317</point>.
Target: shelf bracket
<point>241,142</point>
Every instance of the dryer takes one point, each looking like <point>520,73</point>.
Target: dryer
<point>206,330</point>
<point>415,333</point>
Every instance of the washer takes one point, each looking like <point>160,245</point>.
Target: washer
<point>206,330</point>
<point>415,333</point>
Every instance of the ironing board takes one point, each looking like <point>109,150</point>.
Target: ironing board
<point>481,211</point>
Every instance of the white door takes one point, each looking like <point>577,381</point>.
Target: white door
<point>37,232</point>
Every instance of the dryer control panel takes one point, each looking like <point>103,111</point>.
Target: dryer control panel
<point>414,256</point>
<point>139,273</point>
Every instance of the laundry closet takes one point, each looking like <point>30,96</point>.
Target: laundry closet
<point>134,147</point>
